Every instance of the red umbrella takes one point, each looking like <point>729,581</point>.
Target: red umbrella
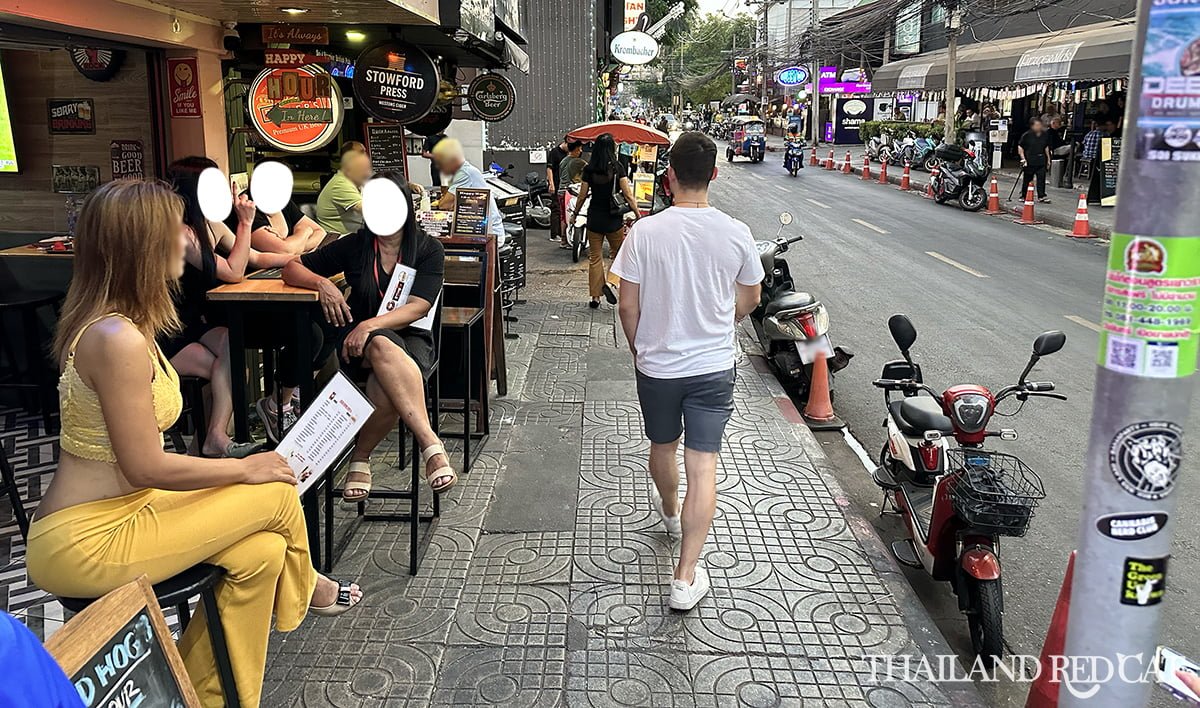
<point>623,131</point>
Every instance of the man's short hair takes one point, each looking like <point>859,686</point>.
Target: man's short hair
<point>352,146</point>
<point>448,148</point>
<point>573,145</point>
<point>693,158</point>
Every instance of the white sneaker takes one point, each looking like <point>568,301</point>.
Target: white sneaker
<point>673,524</point>
<point>683,596</point>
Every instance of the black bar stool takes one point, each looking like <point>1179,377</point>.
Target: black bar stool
<point>36,374</point>
<point>8,479</point>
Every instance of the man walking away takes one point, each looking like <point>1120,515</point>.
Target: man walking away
<point>553,160</point>
<point>1034,149</point>
<point>688,274</point>
<point>570,171</point>
<point>435,177</point>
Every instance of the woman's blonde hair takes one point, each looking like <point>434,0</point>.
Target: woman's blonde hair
<point>126,242</point>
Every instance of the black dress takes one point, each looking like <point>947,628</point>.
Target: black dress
<point>602,215</point>
<point>191,302</point>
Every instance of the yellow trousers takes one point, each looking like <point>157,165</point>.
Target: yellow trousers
<point>255,532</point>
<point>596,271</point>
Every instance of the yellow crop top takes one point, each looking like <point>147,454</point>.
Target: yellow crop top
<point>84,433</point>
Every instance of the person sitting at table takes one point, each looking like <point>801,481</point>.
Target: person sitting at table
<point>339,205</point>
<point>459,173</point>
<point>119,506</point>
<point>394,357</point>
<point>289,231</point>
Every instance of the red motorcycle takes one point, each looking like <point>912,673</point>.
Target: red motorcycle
<point>957,501</point>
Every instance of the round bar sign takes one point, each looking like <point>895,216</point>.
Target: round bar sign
<point>633,48</point>
<point>791,76</point>
<point>297,109</point>
<point>396,82</point>
<point>491,97</point>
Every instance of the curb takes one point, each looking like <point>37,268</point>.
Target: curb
<point>929,640</point>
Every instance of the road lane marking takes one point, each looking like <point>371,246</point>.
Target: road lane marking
<point>1084,323</point>
<point>814,202</point>
<point>869,225</point>
<point>956,264</point>
<point>782,188</point>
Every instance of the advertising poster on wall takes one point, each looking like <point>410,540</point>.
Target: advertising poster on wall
<point>183,87</point>
<point>1169,120</point>
<point>128,159</point>
<point>295,110</point>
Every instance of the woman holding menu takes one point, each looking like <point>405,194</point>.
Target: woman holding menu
<point>394,356</point>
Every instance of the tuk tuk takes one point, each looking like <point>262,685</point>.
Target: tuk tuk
<point>748,139</point>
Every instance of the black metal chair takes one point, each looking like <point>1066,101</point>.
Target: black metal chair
<point>8,479</point>
<point>35,375</point>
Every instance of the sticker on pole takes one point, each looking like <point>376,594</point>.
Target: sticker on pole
<point>1169,111</point>
<point>1143,581</point>
<point>1145,457</point>
<point>1149,319</point>
<point>1131,526</point>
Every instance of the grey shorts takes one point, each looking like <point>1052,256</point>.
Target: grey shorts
<point>698,405</point>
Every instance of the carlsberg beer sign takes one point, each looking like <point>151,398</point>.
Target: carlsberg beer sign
<point>633,48</point>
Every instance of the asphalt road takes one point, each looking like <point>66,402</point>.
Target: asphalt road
<point>979,289</point>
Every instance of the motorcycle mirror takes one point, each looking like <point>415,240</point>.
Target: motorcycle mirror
<point>785,218</point>
<point>1049,342</point>
<point>903,333</point>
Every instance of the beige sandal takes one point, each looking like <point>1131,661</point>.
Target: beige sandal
<point>442,473</point>
<point>362,468</point>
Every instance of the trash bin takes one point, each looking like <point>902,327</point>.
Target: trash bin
<point>1058,170</point>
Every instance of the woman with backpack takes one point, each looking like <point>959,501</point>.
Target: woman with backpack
<point>612,198</point>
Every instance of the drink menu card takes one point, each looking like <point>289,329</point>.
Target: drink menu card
<point>471,211</point>
<point>324,430</point>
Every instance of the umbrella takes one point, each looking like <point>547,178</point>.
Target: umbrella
<point>739,98</point>
<point>623,131</point>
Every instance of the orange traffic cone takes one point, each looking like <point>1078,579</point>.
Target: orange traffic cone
<point>1082,228</point>
<point>994,199</point>
<point>818,413</point>
<point>846,168</point>
<point>829,161</point>
<point>928,194</point>
<point>866,175</point>
<point>1044,691</point>
<point>1027,216</point>
<point>883,172</point>
<point>905,184</point>
<point>813,161</point>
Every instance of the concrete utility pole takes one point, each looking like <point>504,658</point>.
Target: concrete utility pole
<point>953,27</point>
<point>814,71</point>
<point>1144,379</point>
<point>762,62</point>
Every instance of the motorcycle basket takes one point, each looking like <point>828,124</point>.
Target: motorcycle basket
<point>994,492</point>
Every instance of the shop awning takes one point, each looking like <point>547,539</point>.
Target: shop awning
<point>1098,51</point>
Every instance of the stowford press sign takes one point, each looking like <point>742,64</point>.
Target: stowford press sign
<point>396,82</point>
<point>491,97</point>
<point>633,48</point>
<point>296,110</point>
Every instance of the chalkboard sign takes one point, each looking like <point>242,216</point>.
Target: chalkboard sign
<point>471,211</point>
<point>119,652</point>
<point>385,143</point>
<point>1111,150</point>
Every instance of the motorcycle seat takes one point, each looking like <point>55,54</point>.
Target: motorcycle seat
<point>790,301</point>
<point>916,415</point>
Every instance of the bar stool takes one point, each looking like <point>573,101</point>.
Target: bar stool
<point>8,479</point>
<point>36,375</point>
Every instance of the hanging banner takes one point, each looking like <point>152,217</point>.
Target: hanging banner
<point>128,159</point>
<point>396,82</point>
<point>183,87</point>
<point>296,110</point>
<point>491,97</point>
<point>1169,116</point>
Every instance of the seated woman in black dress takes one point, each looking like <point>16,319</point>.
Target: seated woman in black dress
<point>396,357</point>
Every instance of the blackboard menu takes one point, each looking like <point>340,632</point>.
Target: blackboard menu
<point>471,211</point>
<point>1108,187</point>
<point>385,143</point>
<point>130,668</point>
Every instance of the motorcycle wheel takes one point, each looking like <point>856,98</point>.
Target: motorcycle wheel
<point>986,621</point>
<point>576,243</point>
<point>729,155</point>
<point>793,171</point>
<point>930,162</point>
<point>939,197</point>
<point>969,202</point>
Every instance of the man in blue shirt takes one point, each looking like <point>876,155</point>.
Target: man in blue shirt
<point>459,173</point>
<point>30,677</point>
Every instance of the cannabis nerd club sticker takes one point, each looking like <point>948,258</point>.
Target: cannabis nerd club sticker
<point>1144,458</point>
<point>1132,526</point>
<point>1143,581</point>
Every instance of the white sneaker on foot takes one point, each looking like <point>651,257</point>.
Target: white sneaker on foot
<point>673,524</point>
<point>684,596</point>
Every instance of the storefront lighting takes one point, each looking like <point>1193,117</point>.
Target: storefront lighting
<point>355,35</point>
<point>293,10</point>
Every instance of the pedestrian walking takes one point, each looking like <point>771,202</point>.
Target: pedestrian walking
<point>553,160</point>
<point>687,275</point>
<point>570,171</point>
<point>1034,149</point>
<point>435,178</point>
<point>611,193</point>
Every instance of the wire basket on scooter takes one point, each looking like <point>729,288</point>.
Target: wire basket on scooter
<point>994,492</point>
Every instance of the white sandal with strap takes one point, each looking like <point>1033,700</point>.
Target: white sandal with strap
<point>443,472</point>
<point>361,468</point>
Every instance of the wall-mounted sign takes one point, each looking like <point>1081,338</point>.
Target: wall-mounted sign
<point>791,76</point>
<point>74,179</point>
<point>128,159</point>
<point>491,97</point>
<point>295,34</point>
<point>633,10</point>
<point>296,110</point>
<point>183,87</point>
<point>385,145</point>
<point>290,58</point>
<point>634,48</point>
<point>1046,63</point>
<point>396,82</point>
<point>95,63</point>
<point>71,116</point>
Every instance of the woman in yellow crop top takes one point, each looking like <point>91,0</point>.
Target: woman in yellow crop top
<point>120,506</point>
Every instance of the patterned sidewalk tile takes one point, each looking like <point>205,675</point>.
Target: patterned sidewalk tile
<point>522,559</point>
<point>624,618</point>
<point>395,675</point>
<point>626,558</point>
<point>606,678</point>
<point>514,677</point>
<point>511,615</point>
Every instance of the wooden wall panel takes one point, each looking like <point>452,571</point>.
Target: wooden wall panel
<point>122,113</point>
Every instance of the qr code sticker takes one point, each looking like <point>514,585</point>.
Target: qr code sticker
<point>1124,355</point>
<point>1162,360</point>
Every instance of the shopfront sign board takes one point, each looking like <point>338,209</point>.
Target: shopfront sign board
<point>295,34</point>
<point>128,159</point>
<point>633,10</point>
<point>491,97</point>
<point>633,48</point>
<point>297,109</point>
<point>71,116</point>
<point>119,651</point>
<point>913,76</point>
<point>1043,63</point>
<point>183,87</point>
<point>396,82</point>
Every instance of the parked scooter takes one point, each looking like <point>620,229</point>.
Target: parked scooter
<point>957,501</point>
<point>793,156</point>
<point>924,156</point>
<point>878,145</point>
<point>576,230</point>
<point>792,326</point>
<point>537,208</point>
<point>961,175</point>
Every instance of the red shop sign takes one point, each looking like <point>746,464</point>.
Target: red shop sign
<point>183,87</point>
<point>289,58</point>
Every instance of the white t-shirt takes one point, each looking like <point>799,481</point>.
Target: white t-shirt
<point>687,263</point>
